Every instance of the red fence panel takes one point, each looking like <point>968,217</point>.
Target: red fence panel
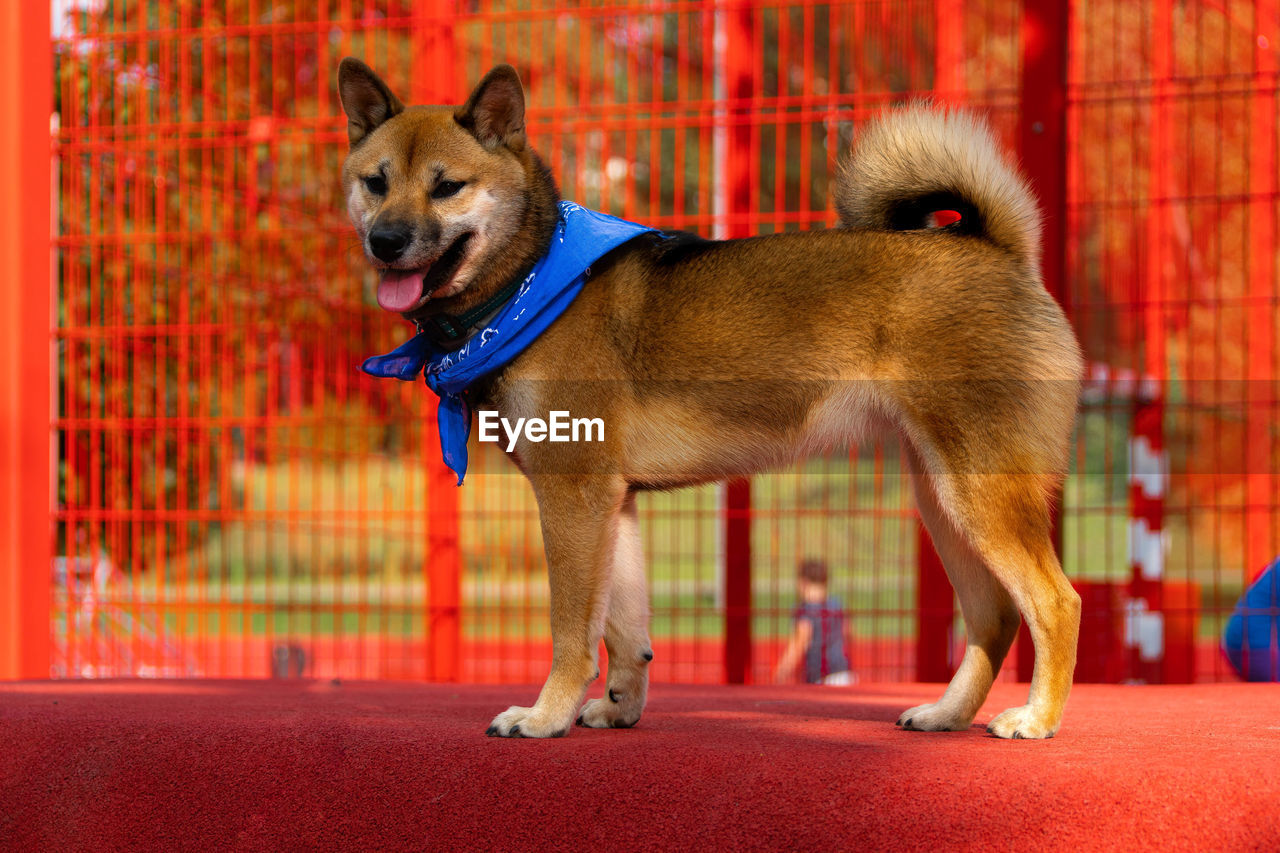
<point>234,498</point>
<point>1171,266</point>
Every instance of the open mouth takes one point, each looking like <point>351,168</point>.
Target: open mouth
<point>404,290</point>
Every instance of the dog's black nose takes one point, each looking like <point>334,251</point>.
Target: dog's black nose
<point>388,243</point>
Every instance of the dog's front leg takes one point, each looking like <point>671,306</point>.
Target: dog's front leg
<point>626,630</point>
<point>579,519</point>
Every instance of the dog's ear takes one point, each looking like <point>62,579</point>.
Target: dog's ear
<point>365,98</point>
<point>495,111</point>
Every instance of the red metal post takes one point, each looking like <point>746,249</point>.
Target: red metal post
<point>935,599</point>
<point>935,613</point>
<point>1145,617</point>
<point>1042,145</point>
<point>948,52</point>
<point>737,62</point>
<point>26,90</point>
<point>1262,533</point>
<point>435,82</point>
<point>737,573</point>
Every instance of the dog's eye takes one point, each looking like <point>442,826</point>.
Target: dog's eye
<point>444,189</point>
<point>375,184</point>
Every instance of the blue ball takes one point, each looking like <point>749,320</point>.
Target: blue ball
<point>1252,638</point>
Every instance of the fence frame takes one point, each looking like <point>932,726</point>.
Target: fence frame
<point>26,296</point>
<point>29,363</point>
<point>433,36</point>
<point>737,67</point>
<point>1042,147</point>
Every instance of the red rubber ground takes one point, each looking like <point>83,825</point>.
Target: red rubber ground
<point>288,766</point>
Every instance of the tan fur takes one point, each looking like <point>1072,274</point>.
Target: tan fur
<point>710,360</point>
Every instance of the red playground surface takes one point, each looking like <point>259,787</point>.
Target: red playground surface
<point>262,765</point>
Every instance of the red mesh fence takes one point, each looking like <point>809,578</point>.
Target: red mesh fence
<point>235,499</point>
<point>1172,265</point>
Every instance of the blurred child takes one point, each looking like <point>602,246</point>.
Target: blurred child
<point>818,638</point>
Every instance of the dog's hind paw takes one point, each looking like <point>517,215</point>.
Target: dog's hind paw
<point>1023,722</point>
<point>934,717</point>
<point>524,722</point>
<point>611,712</point>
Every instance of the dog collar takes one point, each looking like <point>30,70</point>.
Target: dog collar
<point>581,238</point>
<point>449,332</point>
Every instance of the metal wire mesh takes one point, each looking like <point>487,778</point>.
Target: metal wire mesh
<point>235,499</point>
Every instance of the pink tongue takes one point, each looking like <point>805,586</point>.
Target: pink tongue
<point>400,290</point>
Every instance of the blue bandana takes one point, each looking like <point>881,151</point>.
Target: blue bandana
<point>582,237</point>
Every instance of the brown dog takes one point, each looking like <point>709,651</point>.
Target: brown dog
<point>707,360</point>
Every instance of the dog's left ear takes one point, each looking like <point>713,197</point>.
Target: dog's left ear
<point>495,111</point>
<point>366,100</point>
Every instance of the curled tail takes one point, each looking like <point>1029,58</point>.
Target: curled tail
<point>911,163</point>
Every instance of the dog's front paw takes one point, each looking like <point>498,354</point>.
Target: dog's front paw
<point>1022,722</point>
<point>525,722</point>
<point>934,717</point>
<point>611,712</point>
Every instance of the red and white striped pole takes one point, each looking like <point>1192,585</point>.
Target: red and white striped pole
<point>1148,484</point>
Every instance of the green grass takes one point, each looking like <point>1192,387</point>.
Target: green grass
<point>318,538</point>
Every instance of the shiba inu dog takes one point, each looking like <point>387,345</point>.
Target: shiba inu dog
<point>707,360</point>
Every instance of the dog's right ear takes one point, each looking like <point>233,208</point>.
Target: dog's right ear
<point>494,113</point>
<point>365,99</point>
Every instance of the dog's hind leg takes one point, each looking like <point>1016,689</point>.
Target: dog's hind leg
<point>990,617</point>
<point>579,517</point>
<point>1005,519</point>
<point>1018,546</point>
<point>626,631</point>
